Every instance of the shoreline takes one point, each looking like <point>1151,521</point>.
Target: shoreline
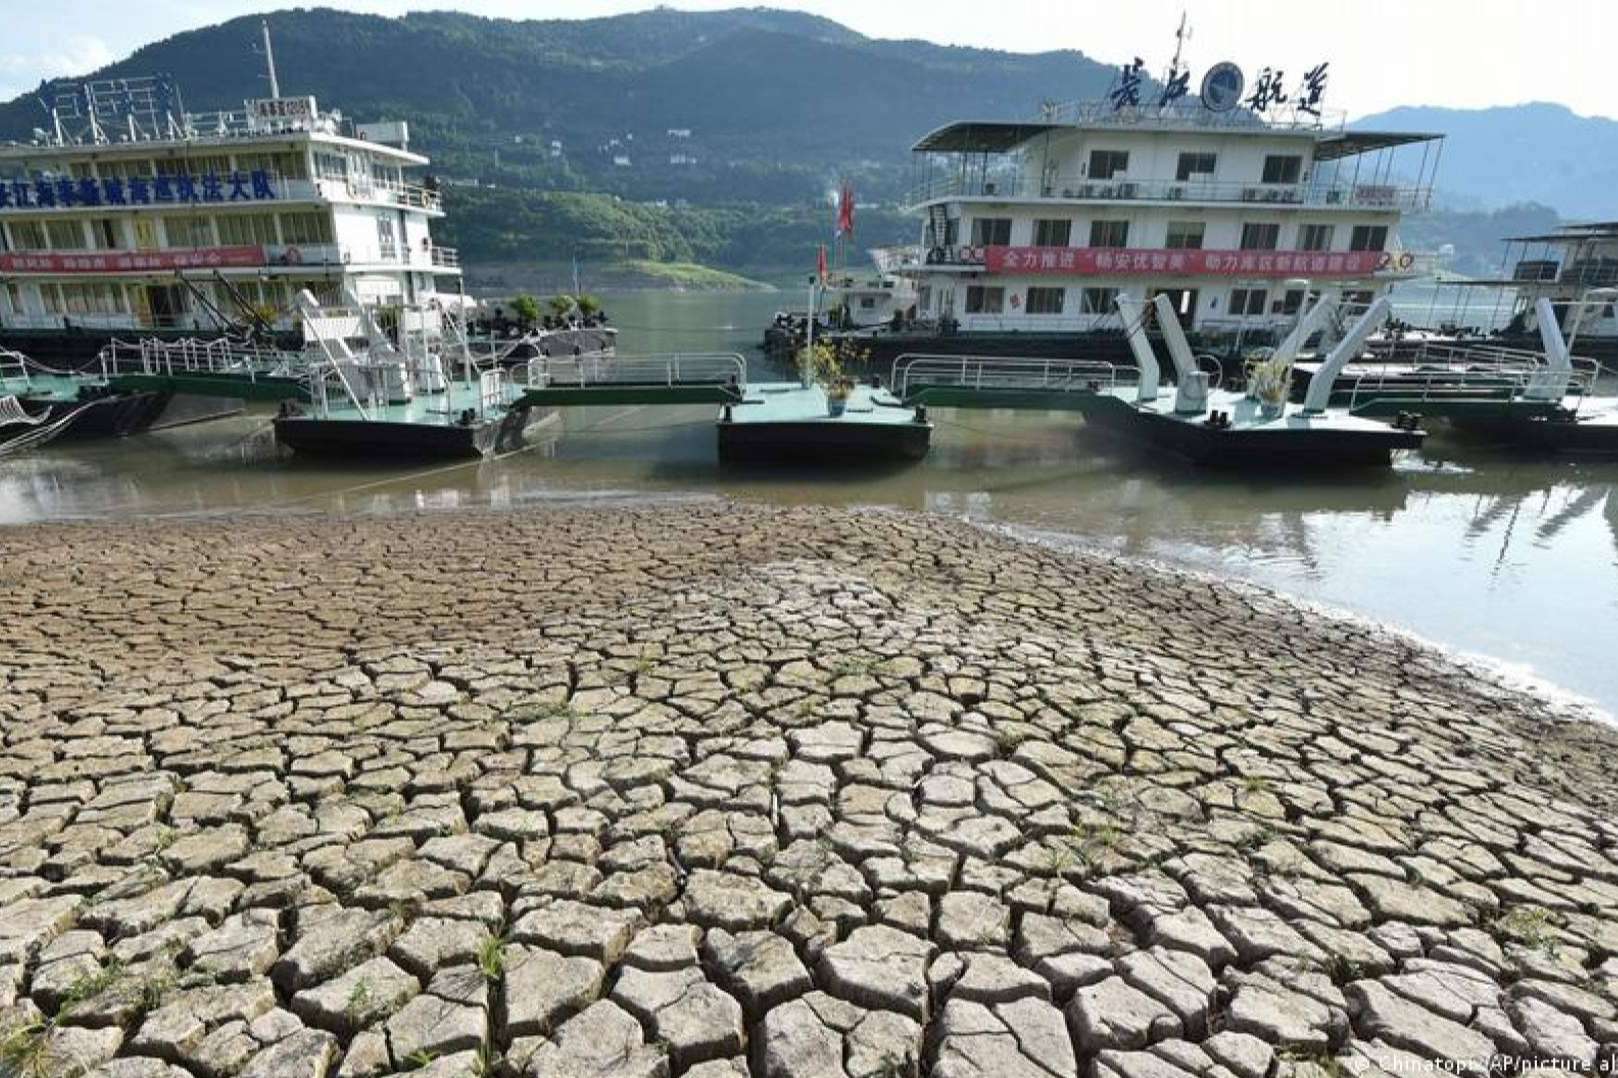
<point>723,788</point>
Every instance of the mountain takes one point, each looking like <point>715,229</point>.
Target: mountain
<point>1539,152</point>
<point>777,103</point>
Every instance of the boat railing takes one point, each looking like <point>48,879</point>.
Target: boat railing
<point>1080,188</point>
<point>914,371</point>
<point>13,367</point>
<point>1442,385</point>
<point>196,355</point>
<point>611,368</point>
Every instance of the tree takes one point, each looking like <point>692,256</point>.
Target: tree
<point>526,308</point>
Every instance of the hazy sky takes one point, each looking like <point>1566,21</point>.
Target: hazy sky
<point>1460,53</point>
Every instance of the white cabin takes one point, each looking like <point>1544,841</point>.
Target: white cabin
<point>1040,226</point>
<point>185,221</point>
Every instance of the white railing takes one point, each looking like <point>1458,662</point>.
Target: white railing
<point>1189,114</point>
<point>1080,188</point>
<point>13,367</point>
<point>667,369</point>
<point>914,371</point>
<point>195,355</point>
<point>1385,386</point>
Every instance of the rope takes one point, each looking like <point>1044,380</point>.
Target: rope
<point>11,411</point>
<point>42,434</point>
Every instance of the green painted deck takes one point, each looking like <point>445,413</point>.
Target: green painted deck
<point>48,387</point>
<point>262,387</point>
<point>428,409</point>
<point>791,402</point>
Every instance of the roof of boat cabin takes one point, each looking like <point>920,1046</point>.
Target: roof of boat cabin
<point>1593,230</point>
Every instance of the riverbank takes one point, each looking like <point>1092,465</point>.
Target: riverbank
<point>666,790</point>
<point>623,275</point>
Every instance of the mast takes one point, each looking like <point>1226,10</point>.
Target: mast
<point>269,59</point>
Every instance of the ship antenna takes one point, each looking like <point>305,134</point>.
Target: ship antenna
<point>269,59</point>
<point>1181,36</point>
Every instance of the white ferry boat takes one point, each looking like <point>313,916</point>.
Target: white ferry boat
<point>128,216</point>
<point>1575,267</point>
<point>1234,207</point>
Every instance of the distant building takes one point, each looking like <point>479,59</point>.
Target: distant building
<point>621,160</point>
<point>679,132</point>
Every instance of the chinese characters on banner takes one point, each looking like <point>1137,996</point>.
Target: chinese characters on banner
<point>1129,260</point>
<point>115,191</point>
<point>127,261</point>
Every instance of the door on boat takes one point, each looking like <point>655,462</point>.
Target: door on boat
<point>145,234</point>
<point>1184,301</point>
<point>164,304</point>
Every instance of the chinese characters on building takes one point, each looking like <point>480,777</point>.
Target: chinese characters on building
<point>1087,260</point>
<point>1269,88</point>
<point>114,191</point>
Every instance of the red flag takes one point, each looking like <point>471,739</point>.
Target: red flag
<point>845,210</point>
<point>821,264</point>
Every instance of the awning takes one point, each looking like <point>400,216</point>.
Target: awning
<point>1348,143</point>
<point>981,137</point>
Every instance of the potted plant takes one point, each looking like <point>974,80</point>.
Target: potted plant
<point>822,365</point>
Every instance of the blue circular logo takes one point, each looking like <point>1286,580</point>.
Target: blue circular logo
<point>1222,87</point>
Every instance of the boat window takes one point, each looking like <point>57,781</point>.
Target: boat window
<point>1246,301</point>
<point>1109,233</point>
<point>1098,300</point>
<point>1045,300</point>
<point>93,298</point>
<point>188,231</point>
<point>1292,301</point>
<point>1282,168</point>
<point>1105,164</point>
<point>991,231</point>
<point>246,229</point>
<point>331,166</point>
<point>27,236</point>
<point>983,299</point>
<point>302,228</point>
<point>867,302</point>
<point>1369,238</point>
<point>65,235</point>
<point>1314,237</point>
<point>1260,237</point>
<point>924,298</point>
<point>1184,236</point>
<point>1195,165</point>
<point>104,234</point>
<point>1052,233</point>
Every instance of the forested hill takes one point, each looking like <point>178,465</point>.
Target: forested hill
<point>777,104</point>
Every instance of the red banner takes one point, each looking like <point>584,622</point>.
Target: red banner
<point>1131,260</point>
<point>177,258</point>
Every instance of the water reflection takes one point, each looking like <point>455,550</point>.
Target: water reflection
<point>1489,553</point>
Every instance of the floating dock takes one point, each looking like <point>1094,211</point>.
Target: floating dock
<point>1202,424</point>
<point>770,421</point>
<point>1547,401</point>
<point>787,420</point>
<point>49,405</point>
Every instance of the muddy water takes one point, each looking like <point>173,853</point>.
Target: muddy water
<point>1495,556</point>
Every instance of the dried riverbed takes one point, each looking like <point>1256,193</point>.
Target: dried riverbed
<point>718,790</point>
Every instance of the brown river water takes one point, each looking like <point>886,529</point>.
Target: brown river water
<point>1507,559</point>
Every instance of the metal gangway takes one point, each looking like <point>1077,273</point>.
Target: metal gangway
<point>971,381</point>
<point>605,378</point>
<point>1458,381</point>
<point>220,367</point>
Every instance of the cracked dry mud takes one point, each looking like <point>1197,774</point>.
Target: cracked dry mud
<point>721,791</point>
